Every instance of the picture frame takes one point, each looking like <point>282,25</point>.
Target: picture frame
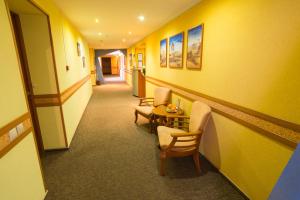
<point>140,60</point>
<point>163,52</point>
<point>78,49</point>
<point>83,62</point>
<point>195,47</point>
<point>176,44</point>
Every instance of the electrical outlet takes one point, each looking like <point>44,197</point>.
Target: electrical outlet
<point>20,128</point>
<point>13,134</point>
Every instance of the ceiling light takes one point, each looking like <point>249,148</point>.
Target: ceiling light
<point>100,33</point>
<point>141,18</point>
<point>123,40</point>
<point>97,20</point>
<point>130,33</point>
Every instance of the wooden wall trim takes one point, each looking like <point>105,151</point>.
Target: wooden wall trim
<point>5,143</point>
<point>14,123</point>
<point>65,95</point>
<point>48,100</point>
<point>283,131</point>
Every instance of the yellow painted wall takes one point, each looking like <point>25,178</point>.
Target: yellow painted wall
<point>65,38</point>
<point>51,127</point>
<point>20,173</point>
<point>72,116</point>
<point>77,71</point>
<point>250,58</point>
<point>92,65</point>
<point>20,166</point>
<point>14,94</point>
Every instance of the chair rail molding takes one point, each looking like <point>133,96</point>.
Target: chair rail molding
<point>22,126</point>
<point>283,131</point>
<point>49,100</point>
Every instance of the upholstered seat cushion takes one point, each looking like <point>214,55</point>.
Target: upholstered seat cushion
<point>147,110</point>
<point>165,138</point>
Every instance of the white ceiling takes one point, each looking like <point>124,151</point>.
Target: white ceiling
<point>118,17</point>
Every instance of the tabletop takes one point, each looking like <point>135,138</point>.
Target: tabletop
<point>161,111</point>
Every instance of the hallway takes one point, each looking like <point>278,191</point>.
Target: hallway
<point>112,158</point>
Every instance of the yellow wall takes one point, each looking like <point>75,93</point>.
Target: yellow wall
<point>77,71</point>
<point>51,127</point>
<point>20,166</point>
<point>65,38</point>
<point>250,58</point>
<point>92,65</point>
<point>72,116</point>
<point>20,173</point>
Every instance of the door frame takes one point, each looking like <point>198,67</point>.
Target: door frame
<point>20,46</point>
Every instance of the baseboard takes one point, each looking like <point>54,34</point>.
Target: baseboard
<point>234,185</point>
<point>227,178</point>
<point>57,149</point>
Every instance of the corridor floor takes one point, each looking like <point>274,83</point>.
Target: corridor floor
<point>112,158</point>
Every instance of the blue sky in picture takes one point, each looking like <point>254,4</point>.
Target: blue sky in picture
<point>176,43</point>
<point>163,45</point>
<point>194,35</point>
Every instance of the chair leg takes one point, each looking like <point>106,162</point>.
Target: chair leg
<point>136,116</point>
<point>162,163</point>
<point>151,125</point>
<point>197,161</point>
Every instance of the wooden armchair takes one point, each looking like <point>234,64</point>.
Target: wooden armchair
<point>182,135</point>
<point>146,105</point>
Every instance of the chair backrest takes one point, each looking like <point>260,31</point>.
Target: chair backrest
<point>161,96</point>
<point>199,116</point>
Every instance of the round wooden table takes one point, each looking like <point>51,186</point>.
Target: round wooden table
<point>160,116</point>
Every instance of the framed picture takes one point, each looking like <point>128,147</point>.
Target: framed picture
<point>176,51</point>
<point>140,60</point>
<point>78,49</point>
<point>194,49</point>
<point>83,61</point>
<point>163,53</point>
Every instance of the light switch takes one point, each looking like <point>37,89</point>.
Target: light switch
<point>13,134</point>
<point>20,128</point>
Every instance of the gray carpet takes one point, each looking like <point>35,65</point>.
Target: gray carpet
<point>112,158</point>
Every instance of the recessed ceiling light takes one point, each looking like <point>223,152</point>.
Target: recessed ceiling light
<point>141,18</point>
<point>100,33</point>
<point>97,20</point>
<point>130,33</point>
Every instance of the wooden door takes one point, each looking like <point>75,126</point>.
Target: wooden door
<point>26,78</point>
<point>106,65</point>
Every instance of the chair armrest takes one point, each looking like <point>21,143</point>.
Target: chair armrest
<point>146,101</point>
<point>185,134</point>
<point>184,143</point>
